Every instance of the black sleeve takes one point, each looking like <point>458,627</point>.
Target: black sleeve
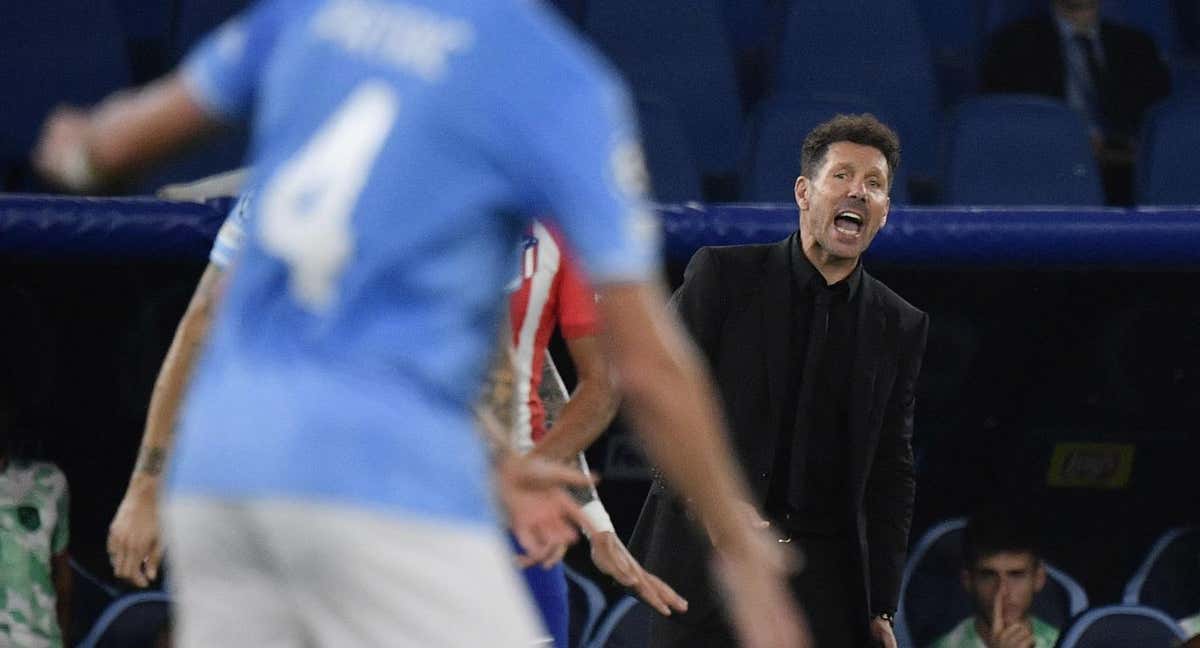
<point>891,486</point>
<point>700,302</point>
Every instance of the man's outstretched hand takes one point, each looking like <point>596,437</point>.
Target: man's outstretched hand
<point>612,557</point>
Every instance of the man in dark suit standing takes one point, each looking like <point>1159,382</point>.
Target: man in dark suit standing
<point>817,363</point>
<point>1107,72</point>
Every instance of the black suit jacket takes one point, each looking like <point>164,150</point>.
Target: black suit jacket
<point>736,303</point>
<point>1027,57</point>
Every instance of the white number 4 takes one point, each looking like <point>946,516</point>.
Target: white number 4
<point>307,205</point>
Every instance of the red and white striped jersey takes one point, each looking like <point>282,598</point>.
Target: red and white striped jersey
<point>552,291</point>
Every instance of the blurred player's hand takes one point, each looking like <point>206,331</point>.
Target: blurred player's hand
<point>61,151</point>
<point>134,546</point>
<point>753,573</point>
<point>545,519</point>
<point>612,557</point>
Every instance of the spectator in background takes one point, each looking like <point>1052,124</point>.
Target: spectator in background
<point>1002,571</point>
<point>1107,72</point>
<point>1191,625</point>
<point>35,574</point>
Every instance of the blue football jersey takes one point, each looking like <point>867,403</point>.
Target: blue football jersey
<point>395,147</point>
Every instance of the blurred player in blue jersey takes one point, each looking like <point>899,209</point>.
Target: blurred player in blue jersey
<point>328,486</point>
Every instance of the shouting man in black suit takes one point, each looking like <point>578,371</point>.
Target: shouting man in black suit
<point>1107,72</point>
<point>817,363</point>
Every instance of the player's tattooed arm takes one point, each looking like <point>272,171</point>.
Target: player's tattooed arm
<point>151,460</point>
<point>494,407</point>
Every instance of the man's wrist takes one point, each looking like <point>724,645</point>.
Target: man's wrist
<point>886,616</point>
<point>601,523</point>
<point>144,485</point>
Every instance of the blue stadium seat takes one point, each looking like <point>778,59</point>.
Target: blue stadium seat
<point>132,621</point>
<point>999,13</point>
<point>1169,577</point>
<point>1120,626</point>
<point>677,49</point>
<point>1155,17</point>
<point>147,27</point>
<point>1170,139</point>
<point>871,49</point>
<point>55,51</point>
<point>774,138</point>
<point>955,31</point>
<point>1018,150</point>
<point>673,173</point>
<point>90,596</point>
<point>932,600</point>
<point>586,603</point>
<point>625,625</point>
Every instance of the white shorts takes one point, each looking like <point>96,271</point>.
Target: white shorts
<point>270,573</point>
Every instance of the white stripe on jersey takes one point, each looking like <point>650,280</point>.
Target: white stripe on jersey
<point>546,268</point>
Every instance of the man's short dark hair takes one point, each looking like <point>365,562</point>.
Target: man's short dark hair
<point>991,533</point>
<point>862,129</point>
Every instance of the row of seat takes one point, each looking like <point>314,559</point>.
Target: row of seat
<point>678,62</point>
<point>1165,588</point>
<point>994,150</point>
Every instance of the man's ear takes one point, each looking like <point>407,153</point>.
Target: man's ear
<point>801,191</point>
<point>964,577</point>
<point>1039,576</point>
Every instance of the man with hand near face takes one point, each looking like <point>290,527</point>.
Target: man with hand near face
<point>1001,573</point>
<point>817,363</point>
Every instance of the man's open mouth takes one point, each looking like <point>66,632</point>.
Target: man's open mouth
<point>848,222</point>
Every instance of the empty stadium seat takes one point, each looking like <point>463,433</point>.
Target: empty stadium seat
<point>932,600</point>
<point>586,603</point>
<point>132,621</point>
<point>1170,139</point>
<point>673,173</point>
<point>1018,150</point>
<point>1155,17</point>
<point>774,138</point>
<point>55,51</point>
<point>625,625</point>
<point>865,48</point>
<point>1169,577</point>
<point>955,31</point>
<point>1121,626</point>
<point>677,49</point>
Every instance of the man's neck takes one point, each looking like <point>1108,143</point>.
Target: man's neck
<point>833,269</point>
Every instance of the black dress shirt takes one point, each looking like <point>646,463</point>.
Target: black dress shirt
<point>808,488</point>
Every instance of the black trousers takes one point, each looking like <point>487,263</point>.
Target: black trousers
<point>828,589</point>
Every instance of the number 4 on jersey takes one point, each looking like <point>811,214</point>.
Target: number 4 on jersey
<point>308,203</point>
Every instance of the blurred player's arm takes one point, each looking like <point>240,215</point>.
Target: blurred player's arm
<point>134,545</point>
<point>83,150</point>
